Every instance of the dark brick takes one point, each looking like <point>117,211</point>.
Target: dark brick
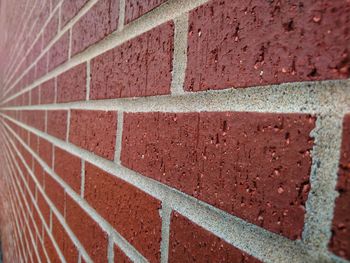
<point>246,43</point>
<point>140,67</point>
<point>94,131</point>
<point>119,256</point>
<point>253,165</point>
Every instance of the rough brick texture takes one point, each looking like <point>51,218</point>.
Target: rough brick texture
<point>190,243</point>
<point>174,131</point>
<point>94,131</point>
<point>255,166</point>
<point>248,43</point>
<point>140,67</point>
<point>340,242</point>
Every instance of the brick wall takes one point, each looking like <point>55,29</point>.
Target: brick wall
<point>175,131</point>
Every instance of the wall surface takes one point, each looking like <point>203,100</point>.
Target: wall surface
<point>175,131</point>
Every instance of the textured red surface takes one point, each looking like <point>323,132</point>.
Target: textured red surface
<point>47,92</point>
<point>94,131</point>
<point>140,67</point>
<point>97,23</point>
<point>71,85</point>
<point>90,234</point>
<point>191,243</point>
<point>55,192</point>
<point>340,241</point>
<point>247,43</point>
<point>68,167</point>
<point>135,216</point>
<point>119,256</point>
<point>70,9</point>
<point>136,8</point>
<point>58,53</point>
<point>57,123</point>
<point>253,165</point>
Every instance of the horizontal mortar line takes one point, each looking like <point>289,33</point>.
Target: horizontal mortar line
<point>232,229</point>
<point>29,230</point>
<point>120,241</point>
<point>60,218</point>
<point>61,32</point>
<point>47,228</point>
<point>165,12</point>
<point>13,71</point>
<point>17,219</point>
<point>326,97</point>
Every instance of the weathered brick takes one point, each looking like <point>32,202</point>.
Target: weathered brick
<point>340,241</point>
<point>47,92</point>
<point>68,167</point>
<point>246,43</point>
<point>253,165</point>
<point>64,242</point>
<point>191,243</point>
<point>140,67</point>
<point>57,123</point>
<point>69,9</point>
<point>94,131</point>
<point>90,234</point>
<point>97,23</point>
<point>58,53</point>
<point>71,85</point>
<point>140,223</point>
<point>136,8</point>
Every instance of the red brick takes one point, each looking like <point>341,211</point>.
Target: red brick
<point>47,92</point>
<point>140,223</point>
<point>140,67</point>
<point>71,85</point>
<point>136,8</point>
<point>64,242</point>
<point>50,249</point>
<point>340,241</point>
<point>90,234</point>
<point>45,151</point>
<point>94,131</point>
<point>191,243</point>
<point>41,66</point>
<point>253,165</point>
<point>68,167</point>
<point>57,123</point>
<point>55,192</point>
<point>58,53</point>
<point>97,23</point>
<point>34,96</point>
<point>119,256</point>
<point>44,208</point>
<point>69,9</point>
<point>33,142</point>
<point>247,43</point>
<point>34,118</point>
<point>38,172</point>
<point>51,29</point>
